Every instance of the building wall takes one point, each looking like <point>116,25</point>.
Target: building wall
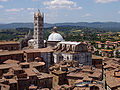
<point>29,57</point>
<point>83,57</point>
<point>45,83</point>
<point>59,79</point>
<point>52,43</point>
<point>23,84</point>
<point>48,58</point>
<point>55,80</point>
<point>107,54</point>
<point>17,56</point>
<point>97,63</point>
<point>10,47</point>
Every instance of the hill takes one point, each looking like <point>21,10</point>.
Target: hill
<point>111,26</point>
<point>21,25</point>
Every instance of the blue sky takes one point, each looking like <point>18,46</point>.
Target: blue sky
<point>59,11</point>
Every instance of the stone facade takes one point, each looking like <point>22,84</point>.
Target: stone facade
<point>72,51</point>
<point>38,30</point>
<point>97,61</point>
<point>9,45</point>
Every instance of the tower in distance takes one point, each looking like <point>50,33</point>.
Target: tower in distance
<point>38,30</point>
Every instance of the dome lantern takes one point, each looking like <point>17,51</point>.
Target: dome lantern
<point>54,29</point>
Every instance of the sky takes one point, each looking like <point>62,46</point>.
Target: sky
<point>60,11</point>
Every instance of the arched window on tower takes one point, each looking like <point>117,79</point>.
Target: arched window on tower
<point>67,58</point>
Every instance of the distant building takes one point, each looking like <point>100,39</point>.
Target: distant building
<point>106,53</point>
<point>117,52</point>
<point>64,50</point>
<point>72,51</point>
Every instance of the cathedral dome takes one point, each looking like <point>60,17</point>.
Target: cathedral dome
<point>55,36</point>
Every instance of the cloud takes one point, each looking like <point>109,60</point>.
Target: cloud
<point>118,12</point>
<point>3,0</point>
<point>51,14</point>
<point>66,15</point>
<point>14,10</point>
<point>1,6</point>
<point>30,9</point>
<point>87,15</point>
<point>57,4</point>
<point>105,1</point>
<point>32,13</point>
<point>78,8</point>
<point>36,0</point>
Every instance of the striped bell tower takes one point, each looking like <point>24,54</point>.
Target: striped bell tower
<point>38,30</point>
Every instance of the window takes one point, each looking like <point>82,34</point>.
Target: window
<point>25,83</point>
<point>60,58</point>
<point>35,18</point>
<point>32,77</point>
<point>75,58</point>
<point>87,59</point>
<point>35,24</point>
<point>67,58</point>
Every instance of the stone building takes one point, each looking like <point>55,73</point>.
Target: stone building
<point>9,45</point>
<point>97,61</point>
<point>24,41</point>
<point>72,51</point>
<point>13,55</point>
<point>38,30</point>
<point>60,71</point>
<point>106,53</point>
<point>29,55</point>
<point>68,74</point>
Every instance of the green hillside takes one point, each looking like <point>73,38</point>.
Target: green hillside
<point>70,33</point>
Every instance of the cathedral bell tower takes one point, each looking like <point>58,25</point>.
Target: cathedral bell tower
<point>38,30</point>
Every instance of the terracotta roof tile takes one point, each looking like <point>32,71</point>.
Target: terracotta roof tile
<point>30,72</point>
<point>9,42</point>
<point>11,61</point>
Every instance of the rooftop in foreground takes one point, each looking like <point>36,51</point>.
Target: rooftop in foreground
<point>9,42</point>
